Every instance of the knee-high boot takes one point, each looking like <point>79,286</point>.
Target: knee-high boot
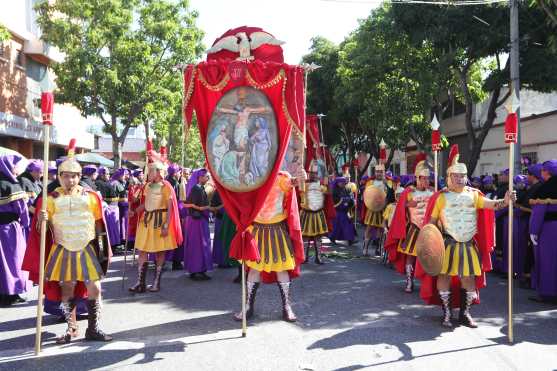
<point>71,331</point>
<point>287,312</point>
<point>139,287</point>
<point>409,278</point>
<point>250,301</point>
<point>446,304</point>
<point>156,286</point>
<point>466,300</point>
<point>317,244</point>
<point>94,333</point>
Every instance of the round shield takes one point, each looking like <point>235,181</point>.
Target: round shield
<point>242,139</point>
<point>374,198</point>
<point>430,249</point>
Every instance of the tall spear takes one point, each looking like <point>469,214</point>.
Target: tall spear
<point>511,131</point>
<point>322,144</point>
<point>435,147</point>
<point>47,105</point>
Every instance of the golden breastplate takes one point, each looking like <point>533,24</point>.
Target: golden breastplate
<point>153,197</point>
<point>273,210</point>
<point>417,213</point>
<point>73,222</point>
<point>315,198</point>
<point>459,216</point>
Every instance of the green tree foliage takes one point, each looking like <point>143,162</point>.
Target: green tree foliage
<point>466,38</point>
<point>4,33</point>
<point>119,59</point>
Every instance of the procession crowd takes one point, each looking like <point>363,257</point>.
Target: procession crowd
<point>448,239</point>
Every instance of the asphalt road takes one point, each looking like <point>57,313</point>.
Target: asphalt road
<point>352,311</point>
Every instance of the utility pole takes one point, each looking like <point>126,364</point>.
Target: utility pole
<point>515,77</point>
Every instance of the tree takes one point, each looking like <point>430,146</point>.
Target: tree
<point>119,57</point>
<point>465,38</point>
<point>4,33</point>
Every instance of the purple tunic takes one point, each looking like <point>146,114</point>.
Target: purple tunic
<point>112,217</point>
<point>544,274</point>
<point>218,253</point>
<point>343,227</point>
<point>520,242</point>
<point>197,245</point>
<point>13,280</point>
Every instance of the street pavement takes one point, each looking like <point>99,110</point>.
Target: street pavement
<point>352,315</point>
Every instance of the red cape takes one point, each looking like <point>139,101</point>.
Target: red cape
<point>295,232</point>
<point>397,232</point>
<point>31,259</point>
<point>174,222</point>
<point>133,203</point>
<point>485,240</point>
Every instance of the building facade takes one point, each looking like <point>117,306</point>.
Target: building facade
<point>24,74</point>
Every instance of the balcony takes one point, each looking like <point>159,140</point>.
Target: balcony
<point>42,52</point>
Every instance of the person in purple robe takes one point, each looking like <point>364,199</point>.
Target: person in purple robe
<point>535,181</point>
<point>14,218</point>
<point>543,233</point>
<point>89,176</point>
<point>174,177</point>
<point>30,181</point>
<point>343,226</point>
<point>197,240</point>
<point>119,181</point>
<point>521,216</point>
<point>260,146</point>
<point>111,211</point>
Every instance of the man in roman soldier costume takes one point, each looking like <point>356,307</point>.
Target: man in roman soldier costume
<point>375,196</point>
<point>465,220</point>
<point>278,236</point>
<point>343,225</point>
<point>79,252</point>
<point>407,221</point>
<point>312,215</point>
<point>158,227</point>
<point>543,233</point>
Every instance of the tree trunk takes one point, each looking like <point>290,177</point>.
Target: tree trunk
<point>116,151</point>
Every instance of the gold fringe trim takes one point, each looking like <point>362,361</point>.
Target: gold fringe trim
<point>218,87</point>
<point>13,197</point>
<point>188,92</point>
<point>275,80</point>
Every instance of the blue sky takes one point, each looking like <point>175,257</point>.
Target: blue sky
<point>293,21</point>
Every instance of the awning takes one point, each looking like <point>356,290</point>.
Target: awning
<point>94,158</point>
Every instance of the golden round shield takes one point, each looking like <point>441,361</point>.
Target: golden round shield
<point>374,198</point>
<point>430,249</point>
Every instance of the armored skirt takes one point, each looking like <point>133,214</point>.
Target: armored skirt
<point>314,223</point>
<point>374,218</point>
<point>408,245</point>
<point>71,266</point>
<point>275,248</point>
<point>461,258</point>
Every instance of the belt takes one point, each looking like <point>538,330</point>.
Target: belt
<point>157,215</point>
<point>112,199</point>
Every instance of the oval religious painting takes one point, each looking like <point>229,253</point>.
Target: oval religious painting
<point>242,139</point>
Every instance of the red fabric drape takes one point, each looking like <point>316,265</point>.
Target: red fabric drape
<point>397,232</point>
<point>283,85</point>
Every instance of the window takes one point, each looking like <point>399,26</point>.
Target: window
<point>2,50</point>
<point>531,156</point>
<point>35,71</point>
<point>19,58</point>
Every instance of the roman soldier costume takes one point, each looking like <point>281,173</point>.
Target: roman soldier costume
<point>462,222</point>
<point>312,215</point>
<point>375,198</point>
<point>407,221</point>
<point>78,253</point>
<point>277,232</point>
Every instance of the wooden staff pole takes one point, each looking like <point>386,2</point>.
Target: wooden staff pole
<point>510,246</point>
<point>46,142</point>
<point>435,170</point>
<point>244,319</point>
